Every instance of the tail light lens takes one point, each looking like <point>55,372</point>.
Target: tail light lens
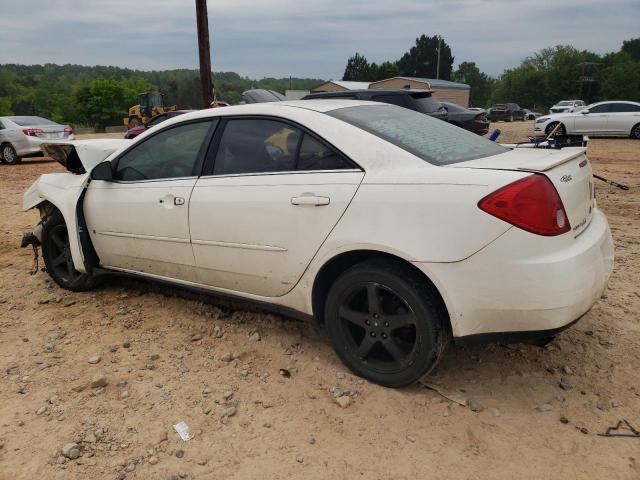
<point>68,131</point>
<point>31,132</point>
<point>532,204</point>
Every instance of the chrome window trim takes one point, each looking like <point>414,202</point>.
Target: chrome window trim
<point>288,172</point>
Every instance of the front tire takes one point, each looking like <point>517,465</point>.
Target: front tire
<point>9,154</point>
<point>56,252</point>
<point>561,130</point>
<point>635,132</point>
<point>386,323</point>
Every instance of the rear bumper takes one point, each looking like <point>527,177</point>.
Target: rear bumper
<point>32,145</point>
<point>524,284</point>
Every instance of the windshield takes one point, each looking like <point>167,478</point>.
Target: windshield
<point>565,104</point>
<point>430,139</point>
<point>28,121</point>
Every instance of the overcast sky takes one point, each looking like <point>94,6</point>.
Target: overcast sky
<point>303,38</point>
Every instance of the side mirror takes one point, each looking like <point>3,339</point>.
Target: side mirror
<point>584,112</point>
<point>102,171</point>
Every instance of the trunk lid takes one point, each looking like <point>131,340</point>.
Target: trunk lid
<point>568,169</point>
<point>50,132</point>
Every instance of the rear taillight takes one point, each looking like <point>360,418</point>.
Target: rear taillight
<point>68,131</point>
<point>31,132</point>
<point>532,204</point>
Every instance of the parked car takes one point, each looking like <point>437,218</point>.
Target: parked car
<point>529,115</point>
<point>614,118</point>
<point>158,119</point>
<point>418,100</point>
<point>392,229</point>
<point>261,95</point>
<point>21,136</point>
<point>507,112</point>
<point>567,106</point>
<point>472,120</point>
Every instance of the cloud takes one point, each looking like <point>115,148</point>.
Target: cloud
<point>304,39</point>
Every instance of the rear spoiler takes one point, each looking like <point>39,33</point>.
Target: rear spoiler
<point>80,156</point>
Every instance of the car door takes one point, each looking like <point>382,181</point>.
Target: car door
<point>272,195</point>
<point>622,117</point>
<point>140,220</point>
<point>592,119</point>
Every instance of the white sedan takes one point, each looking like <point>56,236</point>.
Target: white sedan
<point>616,118</point>
<point>395,230</point>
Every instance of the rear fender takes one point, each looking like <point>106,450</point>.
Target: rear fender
<point>63,191</point>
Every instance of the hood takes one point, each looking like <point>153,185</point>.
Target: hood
<point>80,156</point>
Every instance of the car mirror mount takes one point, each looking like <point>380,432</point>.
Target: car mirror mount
<point>103,171</point>
<point>584,112</point>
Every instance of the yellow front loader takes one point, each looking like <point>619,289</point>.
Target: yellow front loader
<point>149,105</point>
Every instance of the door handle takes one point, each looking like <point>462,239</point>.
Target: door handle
<point>168,201</point>
<point>310,199</point>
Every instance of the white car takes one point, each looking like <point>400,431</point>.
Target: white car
<point>567,106</point>
<point>613,118</point>
<point>23,136</point>
<point>395,230</point>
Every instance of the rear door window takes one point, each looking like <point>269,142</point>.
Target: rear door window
<point>624,107</point>
<point>256,145</point>
<point>315,155</point>
<point>250,145</point>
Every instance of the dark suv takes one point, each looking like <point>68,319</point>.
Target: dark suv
<point>507,112</point>
<point>419,100</point>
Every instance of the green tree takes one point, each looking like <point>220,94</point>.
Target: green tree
<point>104,101</point>
<point>481,84</point>
<point>632,48</point>
<point>357,69</point>
<point>422,59</point>
<point>384,70</point>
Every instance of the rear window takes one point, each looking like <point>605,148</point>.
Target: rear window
<point>426,103</point>
<point>28,121</point>
<point>430,139</point>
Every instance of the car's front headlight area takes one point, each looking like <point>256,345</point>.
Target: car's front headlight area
<point>542,119</point>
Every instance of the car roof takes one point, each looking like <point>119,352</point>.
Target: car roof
<point>271,108</point>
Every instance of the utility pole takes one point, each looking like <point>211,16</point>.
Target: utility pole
<point>438,65</point>
<point>204,53</point>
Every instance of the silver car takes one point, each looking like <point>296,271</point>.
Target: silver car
<point>22,136</point>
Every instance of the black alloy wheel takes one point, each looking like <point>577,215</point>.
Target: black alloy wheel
<point>385,322</point>
<point>56,252</point>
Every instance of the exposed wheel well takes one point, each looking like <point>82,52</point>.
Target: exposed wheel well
<point>331,270</point>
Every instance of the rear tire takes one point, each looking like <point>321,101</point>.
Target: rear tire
<point>9,154</point>
<point>635,131</point>
<point>386,323</point>
<point>510,118</point>
<point>56,252</point>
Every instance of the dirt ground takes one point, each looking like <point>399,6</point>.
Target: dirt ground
<point>247,420</point>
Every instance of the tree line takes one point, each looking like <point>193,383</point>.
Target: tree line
<point>99,96</point>
<point>542,79</point>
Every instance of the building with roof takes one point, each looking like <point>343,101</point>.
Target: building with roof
<point>443,90</point>
<point>339,86</point>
